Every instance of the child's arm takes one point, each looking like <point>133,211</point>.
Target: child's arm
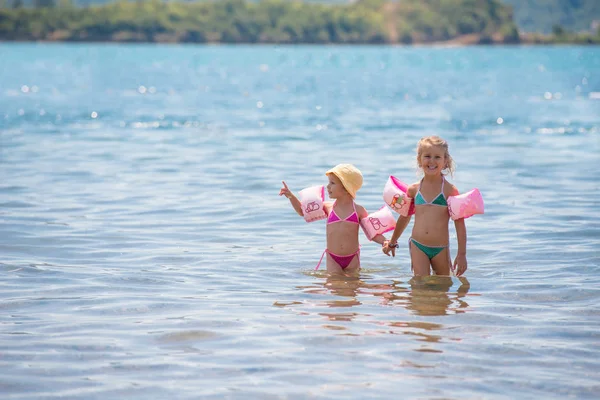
<point>460,262</point>
<point>401,224</point>
<point>379,238</point>
<point>285,191</point>
<point>391,245</point>
<point>362,212</point>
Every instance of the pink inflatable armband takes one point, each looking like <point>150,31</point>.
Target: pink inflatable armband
<point>312,199</point>
<point>379,222</point>
<point>465,205</point>
<point>395,195</point>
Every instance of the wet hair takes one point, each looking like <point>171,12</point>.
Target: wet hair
<point>436,141</point>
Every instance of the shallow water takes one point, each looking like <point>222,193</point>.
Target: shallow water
<point>145,253</point>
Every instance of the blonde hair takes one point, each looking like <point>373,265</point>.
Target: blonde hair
<point>436,141</point>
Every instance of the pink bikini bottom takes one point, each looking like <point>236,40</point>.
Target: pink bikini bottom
<point>343,261</point>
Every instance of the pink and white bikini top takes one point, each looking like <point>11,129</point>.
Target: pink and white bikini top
<point>333,217</point>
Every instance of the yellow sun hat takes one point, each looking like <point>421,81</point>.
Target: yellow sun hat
<point>349,175</point>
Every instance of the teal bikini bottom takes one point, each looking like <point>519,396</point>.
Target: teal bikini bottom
<point>430,251</point>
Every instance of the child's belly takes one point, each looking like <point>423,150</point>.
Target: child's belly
<point>431,227</point>
<point>342,239</point>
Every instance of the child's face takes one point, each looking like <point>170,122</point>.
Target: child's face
<point>335,189</point>
<point>432,160</point>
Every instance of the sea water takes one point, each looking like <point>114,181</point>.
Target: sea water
<point>145,252</point>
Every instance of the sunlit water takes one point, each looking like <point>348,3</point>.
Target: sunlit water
<point>145,253</point>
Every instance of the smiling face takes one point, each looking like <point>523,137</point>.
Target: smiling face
<point>432,159</point>
<point>335,189</point>
<point>430,150</point>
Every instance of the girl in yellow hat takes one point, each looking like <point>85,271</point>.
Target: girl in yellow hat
<point>343,218</point>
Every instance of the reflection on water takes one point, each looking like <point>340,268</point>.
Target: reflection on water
<point>426,298</point>
<point>424,295</point>
<point>430,295</point>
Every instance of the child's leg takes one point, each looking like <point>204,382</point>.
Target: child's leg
<point>333,267</point>
<point>354,267</point>
<point>441,262</point>
<point>419,260</point>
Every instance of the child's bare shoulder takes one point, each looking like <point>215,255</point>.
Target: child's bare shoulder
<point>361,210</point>
<point>450,189</point>
<point>413,188</point>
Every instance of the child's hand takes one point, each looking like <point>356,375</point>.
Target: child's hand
<point>285,191</point>
<point>387,249</point>
<point>460,264</point>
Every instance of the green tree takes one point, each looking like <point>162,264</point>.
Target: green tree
<point>558,30</point>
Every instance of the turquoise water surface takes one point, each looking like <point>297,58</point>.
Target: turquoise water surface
<point>145,253</point>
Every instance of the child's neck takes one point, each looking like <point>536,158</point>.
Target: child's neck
<point>344,200</point>
<point>433,178</point>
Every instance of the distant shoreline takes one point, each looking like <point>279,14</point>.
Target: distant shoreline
<point>447,43</point>
<point>278,22</point>
<point>470,40</point>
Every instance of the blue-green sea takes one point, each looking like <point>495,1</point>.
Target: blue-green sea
<point>145,252</point>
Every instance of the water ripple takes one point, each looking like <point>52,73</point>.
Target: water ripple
<point>146,254</point>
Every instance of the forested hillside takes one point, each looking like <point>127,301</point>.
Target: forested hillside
<point>300,22</point>
<point>268,21</point>
<point>529,15</point>
<point>543,15</point>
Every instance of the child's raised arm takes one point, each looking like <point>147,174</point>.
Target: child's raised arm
<point>285,191</point>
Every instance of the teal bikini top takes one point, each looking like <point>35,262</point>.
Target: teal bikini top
<point>439,200</point>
